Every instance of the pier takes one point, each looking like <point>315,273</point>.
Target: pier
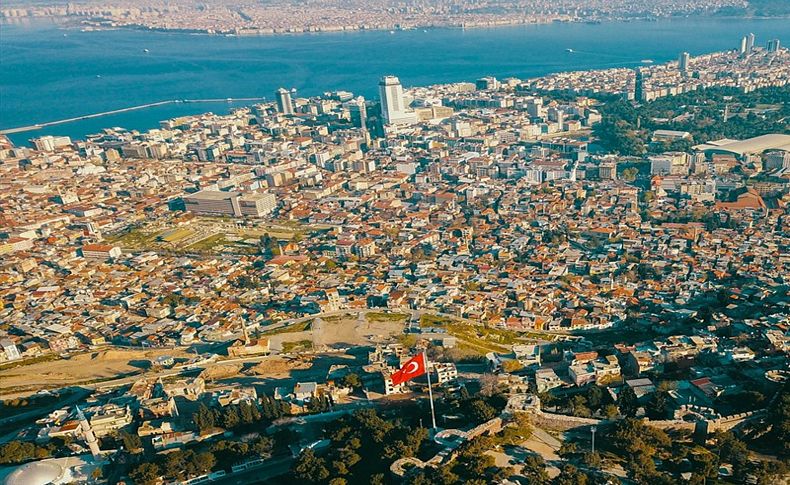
<point>38,126</point>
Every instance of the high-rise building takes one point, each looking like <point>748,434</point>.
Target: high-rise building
<point>639,85</point>
<point>683,62</point>
<point>742,49</point>
<point>284,102</point>
<point>749,43</point>
<point>774,45</point>
<point>392,105</point>
<point>359,112</point>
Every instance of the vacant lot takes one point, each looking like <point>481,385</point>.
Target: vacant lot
<point>79,369</point>
<point>341,331</point>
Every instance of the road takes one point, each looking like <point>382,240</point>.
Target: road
<point>38,126</point>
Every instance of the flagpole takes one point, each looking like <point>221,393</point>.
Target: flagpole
<point>430,391</point>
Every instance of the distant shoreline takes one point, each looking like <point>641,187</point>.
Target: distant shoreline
<point>76,23</point>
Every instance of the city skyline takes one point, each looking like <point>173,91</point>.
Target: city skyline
<point>575,276</point>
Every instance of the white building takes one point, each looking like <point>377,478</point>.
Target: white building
<point>10,350</point>
<point>100,252</point>
<point>393,104</point>
<point>215,202</point>
<point>50,143</point>
<point>284,102</point>
<point>445,371</point>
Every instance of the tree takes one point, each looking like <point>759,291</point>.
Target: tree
<point>592,460</point>
<point>630,173</point>
<point>19,451</point>
<point>310,468</point>
<point>510,366</point>
<point>610,411</point>
<point>231,418</point>
<point>488,384</point>
<point>146,474</point>
<point>627,402</point>
<point>202,462</point>
<point>595,396</point>
<point>131,441</point>
<point>570,475</point>
<point>578,406</point>
<point>263,446</point>
<point>204,418</point>
<point>534,470</point>
<point>481,411</point>
<point>568,448</point>
<point>351,380</point>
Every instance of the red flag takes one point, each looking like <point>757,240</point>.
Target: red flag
<point>413,368</point>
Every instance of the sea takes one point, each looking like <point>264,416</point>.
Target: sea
<point>50,71</point>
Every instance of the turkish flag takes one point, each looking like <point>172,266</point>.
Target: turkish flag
<point>413,368</point>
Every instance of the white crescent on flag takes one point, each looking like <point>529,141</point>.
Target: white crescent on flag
<point>415,367</point>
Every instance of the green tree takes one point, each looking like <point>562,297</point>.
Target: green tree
<point>481,411</point>
<point>627,402</point>
<point>351,380</point>
<point>310,468</point>
<point>145,474</point>
<point>534,470</point>
<point>204,418</point>
<point>570,475</point>
<point>131,441</point>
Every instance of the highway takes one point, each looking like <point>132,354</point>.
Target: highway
<point>38,126</point>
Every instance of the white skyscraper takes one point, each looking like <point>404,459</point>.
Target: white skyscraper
<point>284,103</point>
<point>749,43</point>
<point>742,49</point>
<point>393,108</point>
<point>683,62</point>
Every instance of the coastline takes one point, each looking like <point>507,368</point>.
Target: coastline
<point>79,23</point>
<point>196,66</point>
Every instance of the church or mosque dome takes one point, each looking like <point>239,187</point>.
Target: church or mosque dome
<point>38,473</point>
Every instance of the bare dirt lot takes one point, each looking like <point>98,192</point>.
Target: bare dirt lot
<point>84,368</point>
<point>342,331</point>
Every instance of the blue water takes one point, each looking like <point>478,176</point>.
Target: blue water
<point>46,75</point>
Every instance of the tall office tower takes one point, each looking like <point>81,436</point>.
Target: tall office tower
<point>749,43</point>
<point>639,85</point>
<point>683,62</point>
<point>774,45</point>
<point>284,103</point>
<point>742,49</point>
<point>392,104</point>
<point>359,112</point>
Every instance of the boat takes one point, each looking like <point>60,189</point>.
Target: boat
<point>569,51</point>
<point>392,31</point>
<point>646,61</point>
<point>98,76</point>
<point>146,50</point>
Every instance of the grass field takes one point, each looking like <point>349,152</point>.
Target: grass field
<point>134,239</point>
<point>297,327</point>
<point>386,317</point>
<point>300,345</point>
<point>209,243</point>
